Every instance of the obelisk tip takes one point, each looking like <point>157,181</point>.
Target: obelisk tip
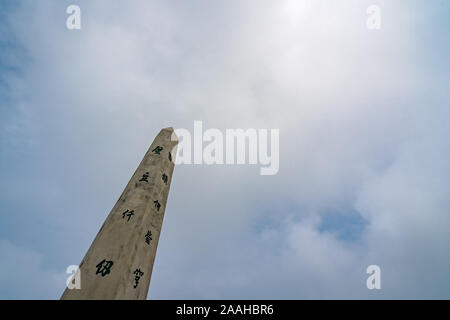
<point>172,132</point>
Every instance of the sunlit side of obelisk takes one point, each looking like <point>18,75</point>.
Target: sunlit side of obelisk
<point>119,263</point>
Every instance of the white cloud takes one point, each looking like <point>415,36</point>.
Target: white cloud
<point>22,275</point>
<point>354,136</point>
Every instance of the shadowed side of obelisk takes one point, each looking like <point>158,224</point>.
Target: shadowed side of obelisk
<point>119,263</point>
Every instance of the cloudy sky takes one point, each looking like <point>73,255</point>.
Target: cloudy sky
<point>364,154</point>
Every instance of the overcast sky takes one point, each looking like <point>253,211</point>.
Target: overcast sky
<point>364,154</point>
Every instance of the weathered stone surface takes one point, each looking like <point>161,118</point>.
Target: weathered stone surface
<point>126,243</point>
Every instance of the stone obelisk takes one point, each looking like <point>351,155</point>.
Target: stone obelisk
<point>119,263</point>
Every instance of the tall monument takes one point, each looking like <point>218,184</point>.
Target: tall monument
<point>119,263</point>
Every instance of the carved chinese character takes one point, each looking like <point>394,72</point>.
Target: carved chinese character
<point>165,178</point>
<point>170,157</point>
<point>158,150</point>
<point>144,177</point>
<point>157,205</point>
<point>104,267</point>
<point>148,237</point>
<point>138,274</point>
<point>128,213</point>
